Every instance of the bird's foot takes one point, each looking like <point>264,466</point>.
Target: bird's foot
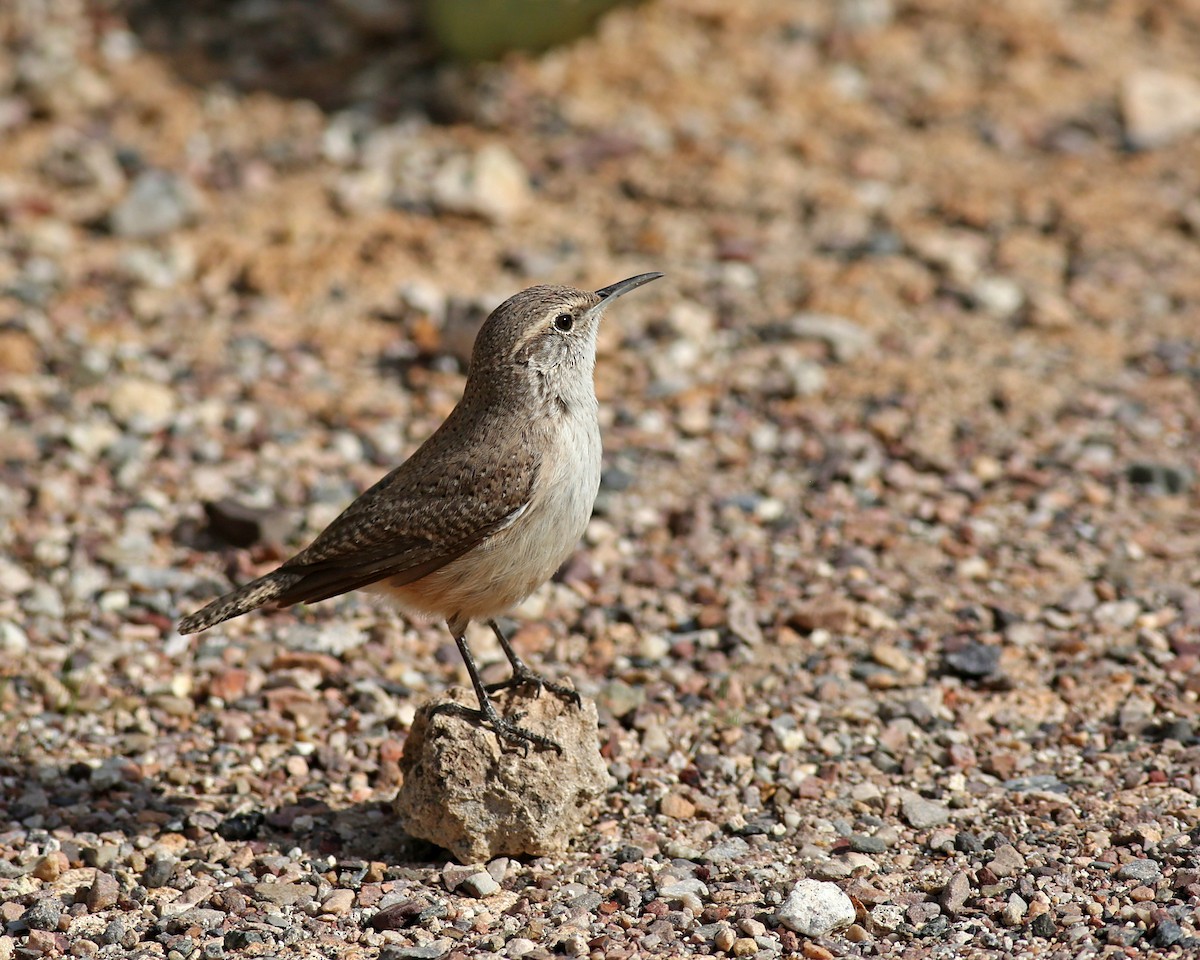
<point>506,728</point>
<point>522,676</point>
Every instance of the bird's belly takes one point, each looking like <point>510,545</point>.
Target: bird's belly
<point>507,567</point>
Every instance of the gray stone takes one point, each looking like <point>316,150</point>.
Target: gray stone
<point>1143,871</point>
<point>43,914</point>
<point>923,814</point>
<point>815,908</point>
<point>157,203</point>
<point>844,338</point>
<point>679,888</point>
<point>481,798</point>
<point>430,951</point>
<point>479,885</point>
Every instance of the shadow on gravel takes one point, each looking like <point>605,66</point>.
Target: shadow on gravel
<point>362,832</point>
<point>334,54</point>
<point>113,798</point>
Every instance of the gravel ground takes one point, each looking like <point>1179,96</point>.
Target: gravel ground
<point>891,583</point>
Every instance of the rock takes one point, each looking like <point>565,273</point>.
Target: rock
<point>677,807</point>
<point>1000,297</point>
<point>1159,478</point>
<point>1006,862</point>
<point>844,338</point>
<point>1043,926</point>
<point>339,902</point>
<point>480,798</point>
<point>491,184</point>
<point>157,202</point>
<point>815,908</point>
<point>429,951</point>
<point>974,661</point>
<point>1144,871</point>
<point>19,352</point>
<point>51,866</point>
<point>1159,107</point>
<point>1117,613</point>
<point>142,405</point>
<point>620,698</point>
<point>284,894</point>
<point>921,813</point>
<point>732,849</point>
<point>242,526</point>
<point>886,917</point>
<point>823,613</point>
<point>479,885</point>
<point>955,893</point>
<point>159,872</point>
<point>1014,911</point>
<point>43,914</point>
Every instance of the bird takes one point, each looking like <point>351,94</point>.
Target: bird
<point>487,508</point>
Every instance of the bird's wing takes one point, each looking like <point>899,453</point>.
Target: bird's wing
<point>427,512</point>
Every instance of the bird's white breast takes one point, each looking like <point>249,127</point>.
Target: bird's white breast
<point>512,563</point>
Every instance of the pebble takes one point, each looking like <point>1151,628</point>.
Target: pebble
<point>1143,871</point>
<point>1006,861</point>
<point>677,807</point>
<point>974,661</point>
<point>845,338</point>
<point>142,405</point>
<point>51,866</point>
<point>284,894</point>
<point>339,902</point>
<point>733,849</point>
<point>479,885</point>
<point>815,908</point>
<point>921,813</point>
<point>103,892</point>
<point>157,203</point>
<point>1014,910</point>
<point>43,914</point>
<point>1159,107</point>
<point>954,895</point>
<point>159,872</point>
<point>886,917</point>
<point>490,184</point>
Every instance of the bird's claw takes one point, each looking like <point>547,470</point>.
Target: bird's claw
<point>506,728</point>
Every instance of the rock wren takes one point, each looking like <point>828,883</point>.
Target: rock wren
<point>489,507</point>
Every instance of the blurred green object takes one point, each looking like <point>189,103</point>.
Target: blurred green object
<point>485,29</point>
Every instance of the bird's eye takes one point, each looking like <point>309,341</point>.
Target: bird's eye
<point>564,322</point>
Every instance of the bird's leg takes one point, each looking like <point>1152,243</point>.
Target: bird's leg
<point>506,728</point>
<point>522,674</point>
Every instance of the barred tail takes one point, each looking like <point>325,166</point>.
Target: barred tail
<point>242,600</point>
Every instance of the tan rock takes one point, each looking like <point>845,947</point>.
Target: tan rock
<point>479,798</point>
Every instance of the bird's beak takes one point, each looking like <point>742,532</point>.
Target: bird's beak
<point>623,287</point>
<point>610,293</point>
